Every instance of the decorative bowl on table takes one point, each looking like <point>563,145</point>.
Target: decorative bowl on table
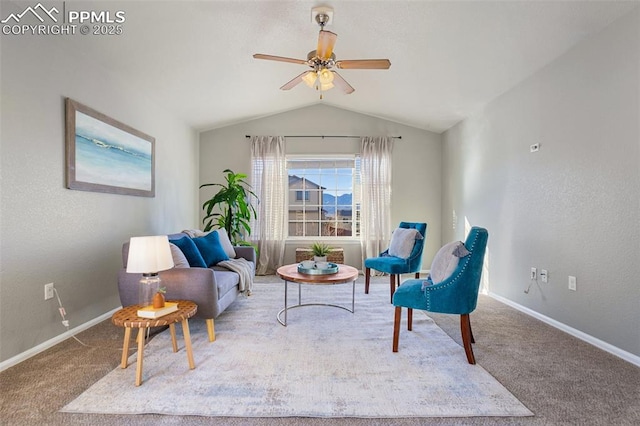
<point>326,269</point>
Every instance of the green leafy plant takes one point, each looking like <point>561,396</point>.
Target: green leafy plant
<point>320,249</point>
<point>230,208</point>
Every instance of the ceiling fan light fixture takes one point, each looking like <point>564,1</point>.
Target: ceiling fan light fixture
<point>310,78</point>
<point>325,76</point>
<point>322,61</point>
<point>326,86</point>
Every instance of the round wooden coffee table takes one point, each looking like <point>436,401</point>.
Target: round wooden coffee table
<point>128,318</point>
<point>289,273</point>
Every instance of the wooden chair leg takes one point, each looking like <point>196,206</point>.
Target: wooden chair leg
<point>396,328</point>
<point>471,333</point>
<point>367,278</point>
<point>392,286</point>
<point>410,319</point>
<point>465,328</point>
<point>417,275</point>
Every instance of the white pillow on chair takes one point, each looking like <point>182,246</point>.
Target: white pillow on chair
<point>446,261</point>
<point>402,242</point>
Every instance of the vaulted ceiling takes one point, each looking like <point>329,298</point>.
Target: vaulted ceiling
<point>449,58</point>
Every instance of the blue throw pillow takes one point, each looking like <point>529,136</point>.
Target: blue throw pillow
<point>211,249</point>
<point>191,252</point>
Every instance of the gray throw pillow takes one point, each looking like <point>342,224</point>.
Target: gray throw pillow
<point>402,242</point>
<point>179,259</point>
<point>226,243</point>
<point>446,261</point>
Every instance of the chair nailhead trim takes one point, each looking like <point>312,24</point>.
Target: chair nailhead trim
<point>453,280</point>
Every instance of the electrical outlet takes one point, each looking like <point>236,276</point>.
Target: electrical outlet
<point>572,283</point>
<point>544,277</point>
<point>48,291</point>
<point>534,273</point>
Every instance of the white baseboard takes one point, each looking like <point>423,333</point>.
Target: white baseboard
<point>54,341</point>
<point>627,356</point>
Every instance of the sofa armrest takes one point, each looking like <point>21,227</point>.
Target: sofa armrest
<point>246,252</point>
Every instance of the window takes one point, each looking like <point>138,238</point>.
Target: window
<point>323,199</point>
<point>299,195</point>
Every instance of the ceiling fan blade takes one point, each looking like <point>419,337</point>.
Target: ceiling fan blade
<point>293,83</point>
<point>279,59</point>
<point>364,64</point>
<point>341,83</point>
<point>326,41</point>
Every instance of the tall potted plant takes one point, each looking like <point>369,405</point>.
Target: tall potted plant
<point>233,208</point>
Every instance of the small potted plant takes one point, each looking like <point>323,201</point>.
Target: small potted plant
<point>320,251</point>
<point>158,298</point>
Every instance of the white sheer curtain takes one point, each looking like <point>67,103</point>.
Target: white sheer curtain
<point>269,181</point>
<point>375,215</point>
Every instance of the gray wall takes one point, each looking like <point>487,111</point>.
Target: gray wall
<point>572,208</point>
<point>416,162</point>
<point>73,238</point>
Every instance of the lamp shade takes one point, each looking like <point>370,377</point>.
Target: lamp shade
<point>148,255</point>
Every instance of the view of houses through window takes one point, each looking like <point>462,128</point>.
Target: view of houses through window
<point>323,197</point>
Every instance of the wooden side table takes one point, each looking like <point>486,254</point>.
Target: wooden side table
<point>128,318</point>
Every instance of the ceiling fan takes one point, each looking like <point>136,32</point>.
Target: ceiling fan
<point>322,76</point>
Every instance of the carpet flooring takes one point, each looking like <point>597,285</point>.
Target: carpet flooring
<point>561,379</point>
<point>327,362</point>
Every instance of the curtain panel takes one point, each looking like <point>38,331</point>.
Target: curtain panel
<point>269,181</point>
<point>375,167</point>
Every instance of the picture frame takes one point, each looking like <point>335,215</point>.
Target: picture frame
<point>105,155</point>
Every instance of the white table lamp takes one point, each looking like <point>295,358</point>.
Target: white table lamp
<point>148,256</point>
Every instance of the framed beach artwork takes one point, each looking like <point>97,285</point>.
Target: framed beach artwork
<point>104,155</point>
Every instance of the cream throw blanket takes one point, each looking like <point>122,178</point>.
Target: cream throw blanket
<point>244,268</point>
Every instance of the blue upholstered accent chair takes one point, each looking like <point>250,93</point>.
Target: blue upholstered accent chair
<point>457,294</point>
<point>395,266</point>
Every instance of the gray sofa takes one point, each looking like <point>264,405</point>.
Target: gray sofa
<point>212,289</point>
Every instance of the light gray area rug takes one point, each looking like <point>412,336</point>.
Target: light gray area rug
<point>327,362</point>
